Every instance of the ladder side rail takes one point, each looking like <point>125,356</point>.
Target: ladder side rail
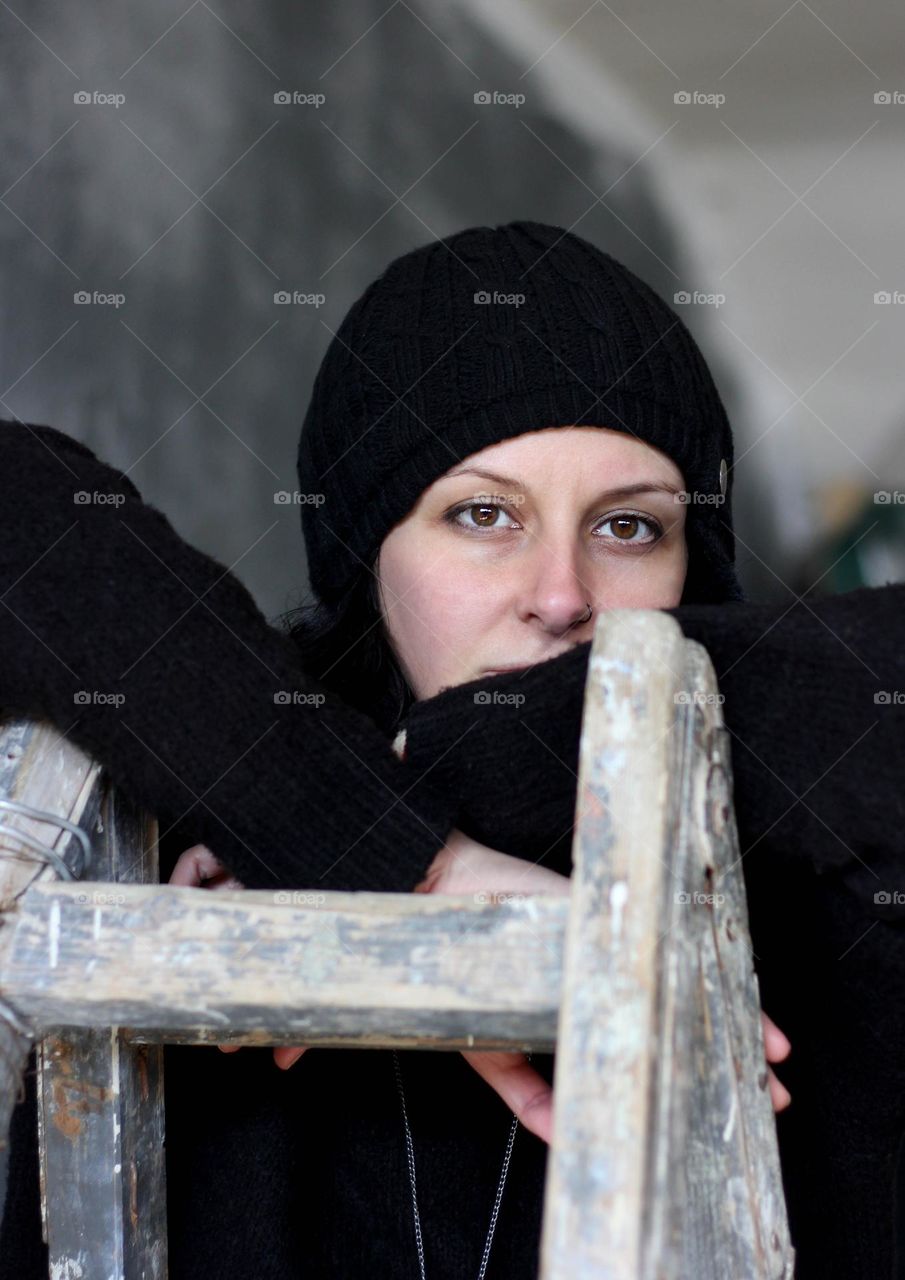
<point>101,1097</point>
<point>664,1161</point>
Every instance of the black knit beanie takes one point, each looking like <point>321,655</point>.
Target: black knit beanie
<point>489,333</point>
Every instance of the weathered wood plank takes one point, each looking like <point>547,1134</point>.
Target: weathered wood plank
<point>734,1215</point>
<point>626,842</point>
<point>40,769</point>
<point>101,1111</point>
<point>664,1162</point>
<point>255,967</point>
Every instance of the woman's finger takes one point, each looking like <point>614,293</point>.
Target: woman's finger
<point>285,1055</point>
<point>222,880</point>
<point>777,1047</point>
<point>779,1094</point>
<point>522,1089</point>
<point>531,1098</point>
<point>199,867</point>
<point>776,1044</point>
<point>195,865</point>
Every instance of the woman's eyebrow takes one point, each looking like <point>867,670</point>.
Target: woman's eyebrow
<point>621,491</point>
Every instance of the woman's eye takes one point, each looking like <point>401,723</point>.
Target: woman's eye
<point>626,526</point>
<point>481,515</point>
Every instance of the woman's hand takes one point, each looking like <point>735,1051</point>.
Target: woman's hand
<point>465,866</point>
<point>198,867</point>
<point>777,1047</point>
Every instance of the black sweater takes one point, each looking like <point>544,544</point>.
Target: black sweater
<point>218,734</point>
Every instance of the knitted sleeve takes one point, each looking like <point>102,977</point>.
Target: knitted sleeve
<point>154,658</point>
<point>814,703</point>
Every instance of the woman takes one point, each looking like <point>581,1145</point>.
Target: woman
<point>524,345</point>
<point>468,574</point>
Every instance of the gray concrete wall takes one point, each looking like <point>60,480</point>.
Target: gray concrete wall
<point>197,197</point>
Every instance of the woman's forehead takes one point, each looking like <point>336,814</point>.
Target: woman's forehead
<point>602,449</point>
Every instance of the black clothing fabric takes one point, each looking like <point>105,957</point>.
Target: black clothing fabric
<point>482,336</point>
<point>102,598</point>
<point>811,744</point>
<point>303,1172</point>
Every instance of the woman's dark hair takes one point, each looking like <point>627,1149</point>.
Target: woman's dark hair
<point>345,646</point>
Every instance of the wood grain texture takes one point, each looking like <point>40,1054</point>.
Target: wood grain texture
<point>41,769</point>
<point>101,1110</point>
<point>256,967</point>
<point>664,1163</point>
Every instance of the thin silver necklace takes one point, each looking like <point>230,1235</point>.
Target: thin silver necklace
<point>411,1167</point>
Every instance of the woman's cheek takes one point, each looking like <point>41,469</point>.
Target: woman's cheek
<point>446,631</point>
<point>656,583</point>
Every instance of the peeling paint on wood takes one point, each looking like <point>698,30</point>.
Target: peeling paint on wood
<point>664,1163</point>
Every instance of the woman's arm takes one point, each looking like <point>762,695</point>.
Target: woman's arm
<point>155,659</point>
<point>818,753</point>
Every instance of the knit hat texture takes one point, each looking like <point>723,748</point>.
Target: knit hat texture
<point>484,335</point>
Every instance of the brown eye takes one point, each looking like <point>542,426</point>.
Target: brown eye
<point>626,527</point>
<point>473,516</point>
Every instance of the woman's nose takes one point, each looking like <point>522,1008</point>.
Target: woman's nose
<point>556,594</point>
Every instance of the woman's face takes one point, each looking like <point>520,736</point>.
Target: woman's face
<point>497,563</point>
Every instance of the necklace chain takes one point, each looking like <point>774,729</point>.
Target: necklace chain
<point>410,1153</point>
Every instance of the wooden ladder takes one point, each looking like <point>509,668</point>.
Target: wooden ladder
<point>664,1162</point>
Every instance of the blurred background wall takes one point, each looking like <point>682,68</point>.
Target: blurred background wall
<point>746,161</point>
